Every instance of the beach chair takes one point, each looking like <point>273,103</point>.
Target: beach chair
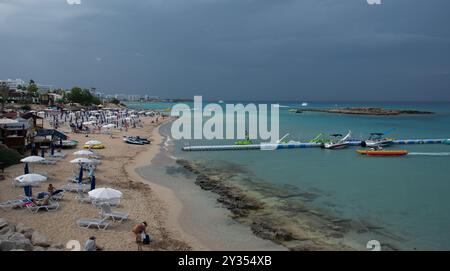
<point>74,187</point>
<point>106,212</point>
<point>59,196</point>
<point>11,204</point>
<point>75,180</point>
<point>110,202</point>
<point>58,155</point>
<point>52,206</point>
<point>101,224</point>
<point>48,162</point>
<point>83,197</point>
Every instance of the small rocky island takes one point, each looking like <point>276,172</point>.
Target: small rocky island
<point>373,111</point>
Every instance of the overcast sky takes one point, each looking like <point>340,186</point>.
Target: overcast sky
<point>233,49</point>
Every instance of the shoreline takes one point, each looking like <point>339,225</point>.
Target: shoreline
<point>194,213</point>
<point>173,207</point>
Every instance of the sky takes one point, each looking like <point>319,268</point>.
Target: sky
<point>283,50</point>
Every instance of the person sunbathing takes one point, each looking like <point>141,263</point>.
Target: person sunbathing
<point>53,191</point>
<point>43,202</point>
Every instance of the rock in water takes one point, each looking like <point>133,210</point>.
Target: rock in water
<point>39,240</point>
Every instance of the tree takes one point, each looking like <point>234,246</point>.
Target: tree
<point>82,96</point>
<point>32,88</point>
<point>115,101</point>
<point>4,94</point>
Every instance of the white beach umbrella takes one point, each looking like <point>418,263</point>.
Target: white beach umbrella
<point>93,142</point>
<point>81,161</point>
<point>28,179</point>
<point>105,194</point>
<point>83,152</point>
<point>88,123</point>
<point>32,159</point>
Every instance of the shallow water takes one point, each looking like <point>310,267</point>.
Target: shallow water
<point>408,196</point>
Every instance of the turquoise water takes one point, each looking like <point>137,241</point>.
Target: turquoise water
<point>409,196</point>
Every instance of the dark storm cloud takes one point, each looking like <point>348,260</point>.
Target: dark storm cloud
<point>233,49</point>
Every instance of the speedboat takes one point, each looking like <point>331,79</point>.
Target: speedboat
<point>137,138</point>
<point>132,141</point>
<point>376,140</point>
<point>338,144</point>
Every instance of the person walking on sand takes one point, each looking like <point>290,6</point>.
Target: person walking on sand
<point>140,231</point>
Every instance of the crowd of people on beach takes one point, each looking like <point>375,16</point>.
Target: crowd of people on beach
<point>91,121</point>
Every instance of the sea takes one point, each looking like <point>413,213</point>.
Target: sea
<point>408,197</point>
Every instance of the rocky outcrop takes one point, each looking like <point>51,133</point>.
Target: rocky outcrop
<point>231,197</point>
<point>22,238</point>
<point>365,111</point>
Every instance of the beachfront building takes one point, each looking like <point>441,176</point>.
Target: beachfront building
<point>13,85</point>
<point>49,99</point>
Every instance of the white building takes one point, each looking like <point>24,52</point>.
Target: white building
<point>13,84</point>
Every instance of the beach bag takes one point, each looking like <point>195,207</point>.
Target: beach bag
<point>146,240</point>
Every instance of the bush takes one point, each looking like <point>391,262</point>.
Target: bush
<point>9,156</point>
<point>25,107</point>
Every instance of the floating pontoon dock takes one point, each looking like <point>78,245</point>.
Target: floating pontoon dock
<point>273,146</point>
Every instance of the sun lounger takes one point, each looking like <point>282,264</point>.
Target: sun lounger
<point>75,180</point>
<point>111,202</point>
<point>83,197</point>
<point>106,212</point>
<point>48,162</point>
<point>74,187</point>
<point>58,196</point>
<point>11,204</point>
<point>57,155</point>
<point>101,224</point>
<point>52,206</point>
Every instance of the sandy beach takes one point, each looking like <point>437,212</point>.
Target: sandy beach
<point>142,201</point>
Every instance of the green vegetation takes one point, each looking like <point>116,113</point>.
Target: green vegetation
<point>9,156</point>
<point>25,107</point>
<point>32,88</point>
<point>82,96</point>
<point>115,101</point>
<point>4,93</point>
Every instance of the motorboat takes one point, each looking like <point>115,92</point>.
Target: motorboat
<point>339,144</point>
<point>376,140</point>
<point>136,140</point>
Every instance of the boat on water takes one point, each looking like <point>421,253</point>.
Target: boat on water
<point>447,142</point>
<point>340,143</point>
<point>381,152</point>
<point>377,140</point>
<point>304,104</point>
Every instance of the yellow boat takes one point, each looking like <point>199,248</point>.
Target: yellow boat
<point>95,147</point>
